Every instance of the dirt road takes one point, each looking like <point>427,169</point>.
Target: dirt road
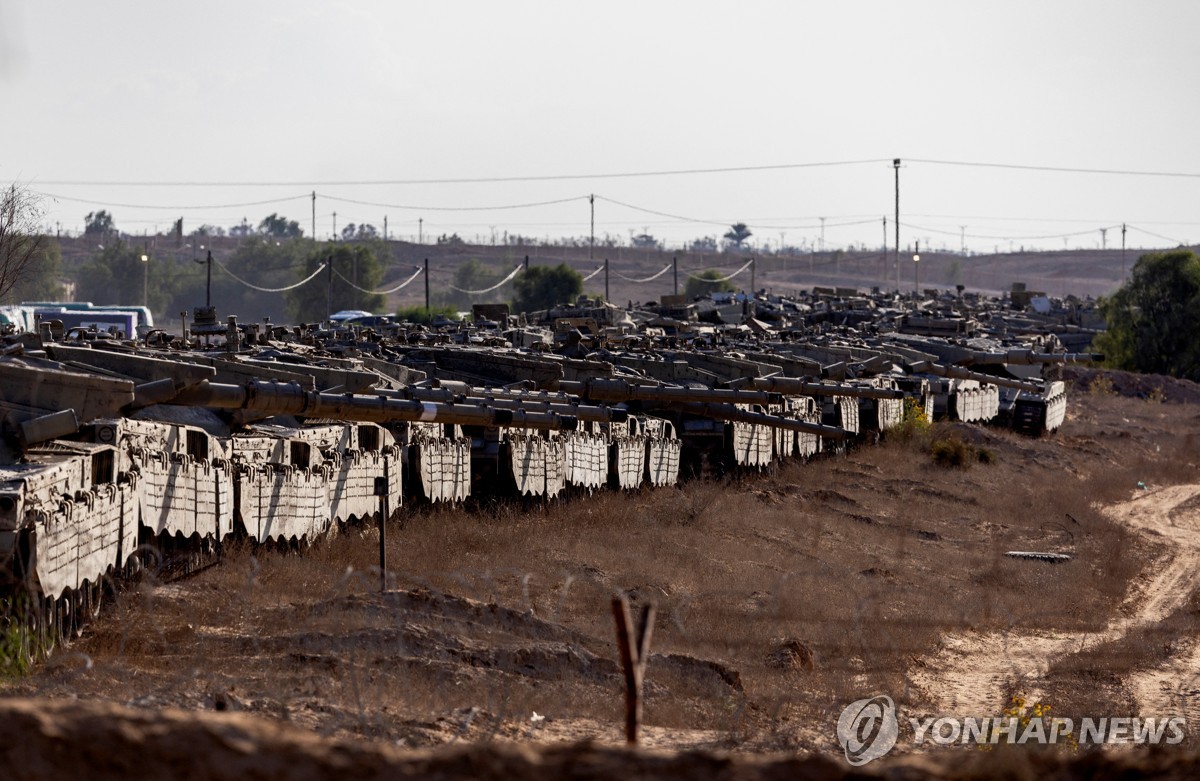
<point>973,673</point>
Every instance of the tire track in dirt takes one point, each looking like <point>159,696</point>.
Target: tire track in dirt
<point>1174,686</point>
<point>971,671</point>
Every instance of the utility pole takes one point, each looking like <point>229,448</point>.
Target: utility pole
<point>1104,238</point>
<point>427,285</point>
<point>329,284</point>
<point>896,166</point>
<point>1122,253</point>
<point>421,233</point>
<point>606,296</point>
<point>962,237</point>
<point>314,215</point>
<point>145,277</point>
<point>675,272</point>
<point>917,269</point>
<point>822,219</point>
<point>885,274</point>
<point>208,284</point>
<point>592,242</point>
<point>385,227</point>
<point>335,226</point>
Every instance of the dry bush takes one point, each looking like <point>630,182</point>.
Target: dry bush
<point>951,452</point>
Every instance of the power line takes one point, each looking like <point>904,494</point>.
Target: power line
<point>661,214</point>
<point>385,292</point>
<point>987,218</point>
<point>1004,238</point>
<point>1158,235</point>
<point>172,208</point>
<point>1053,168</point>
<point>650,278</point>
<point>221,265</point>
<point>465,180</point>
<point>455,208</point>
<point>725,278</point>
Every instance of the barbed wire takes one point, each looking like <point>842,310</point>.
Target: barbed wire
<point>270,289</point>
<point>594,273</point>
<point>386,292</point>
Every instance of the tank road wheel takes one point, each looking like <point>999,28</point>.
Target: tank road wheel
<point>28,616</point>
<point>76,599</point>
<point>44,629</point>
<point>64,620</point>
<point>93,596</point>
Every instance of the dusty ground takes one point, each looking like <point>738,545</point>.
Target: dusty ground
<point>781,598</point>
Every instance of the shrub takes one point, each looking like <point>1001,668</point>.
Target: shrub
<point>915,424</point>
<point>1101,385</point>
<point>952,451</point>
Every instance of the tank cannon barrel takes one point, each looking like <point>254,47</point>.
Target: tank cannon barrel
<point>622,390</point>
<point>795,386</point>
<point>732,413</point>
<point>271,398</point>
<point>961,373</point>
<point>1030,358</point>
<point>534,402</point>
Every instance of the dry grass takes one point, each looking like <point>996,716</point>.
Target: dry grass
<point>780,597</point>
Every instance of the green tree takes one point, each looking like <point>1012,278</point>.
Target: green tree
<point>421,315</point>
<point>118,275</point>
<point>1154,319</point>
<point>279,227</point>
<point>542,287</point>
<point>98,224</point>
<point>259,262</point>
<point>709,282</point>
<point>356,268</point>
<point>363,232</point>
<point>737,234</point>
<point>473,275</point>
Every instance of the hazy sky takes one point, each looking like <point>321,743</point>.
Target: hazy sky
<point>230,104</point>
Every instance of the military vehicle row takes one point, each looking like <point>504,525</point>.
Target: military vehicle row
<point>117,454</point>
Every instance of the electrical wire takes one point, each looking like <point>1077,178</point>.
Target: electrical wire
<point>725,278</point>
<point>511,274</point>
<point>470,180</point>
<point>255,287</point>
<point>171,208</point>
<point>650,278</point>
<point>660,214</point>
<point>1158,235</point>
<point>1007,238</point>
<point>386,292</point>
<point>1053,168</point>
<point>455,208</point>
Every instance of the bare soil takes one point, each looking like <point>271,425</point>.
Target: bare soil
<point>781,597</point>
